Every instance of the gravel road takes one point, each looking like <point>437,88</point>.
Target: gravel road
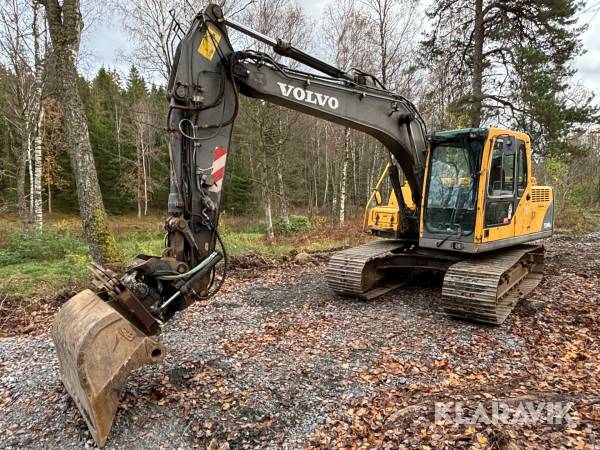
<point>278,361</point>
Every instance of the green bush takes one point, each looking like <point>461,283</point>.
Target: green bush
<point>296,225</point>
<point>46,246</point>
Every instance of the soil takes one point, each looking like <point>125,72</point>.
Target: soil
<point>278,361</point>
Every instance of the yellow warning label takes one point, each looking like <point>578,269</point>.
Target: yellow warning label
<point>209,43</point>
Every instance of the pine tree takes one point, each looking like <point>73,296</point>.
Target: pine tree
<point>511,59</point>
<point>103,109</point>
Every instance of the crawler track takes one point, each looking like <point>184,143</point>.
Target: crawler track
<point>484,288</point>
<point>487,288</point>
<point>354,272</point>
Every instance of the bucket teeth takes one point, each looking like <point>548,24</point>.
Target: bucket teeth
<point>97,349</point>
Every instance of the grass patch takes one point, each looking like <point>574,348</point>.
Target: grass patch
<point>41,264</point>
<point>57,259</point>
<point>134,244</point>
<point>42,277</point>
<point>241,243</point>
<point>48,246</point>
<point>575,220</point>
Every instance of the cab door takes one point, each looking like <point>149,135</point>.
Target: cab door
<point>501,194</point>
<point>523,211</point>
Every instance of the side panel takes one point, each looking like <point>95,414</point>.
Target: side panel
<point>533,213</point>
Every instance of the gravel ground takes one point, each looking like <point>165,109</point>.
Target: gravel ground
<point>278,361</point>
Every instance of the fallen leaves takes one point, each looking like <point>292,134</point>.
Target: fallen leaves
<point>282,362</point>
<point>555,357</point>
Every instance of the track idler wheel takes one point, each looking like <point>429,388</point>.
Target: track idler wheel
<point>97,350</point>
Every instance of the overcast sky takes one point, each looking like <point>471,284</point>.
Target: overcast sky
<point>107,40</point>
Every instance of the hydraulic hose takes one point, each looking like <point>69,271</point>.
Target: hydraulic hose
<point>192,271</point>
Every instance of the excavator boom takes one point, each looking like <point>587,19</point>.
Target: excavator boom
<point>101,336</point>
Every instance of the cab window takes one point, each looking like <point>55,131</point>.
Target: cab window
<point>502,171</point>
<point>452,187</point>
<point>521,169</point>
<point>501,183</point>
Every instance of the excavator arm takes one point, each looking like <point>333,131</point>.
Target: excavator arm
<point>206,80</point>
<point>100,337</point>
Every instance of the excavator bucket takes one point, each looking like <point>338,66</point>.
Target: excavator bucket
<point>97,349</point>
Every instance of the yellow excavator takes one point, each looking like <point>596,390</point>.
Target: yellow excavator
<point>468,206</point>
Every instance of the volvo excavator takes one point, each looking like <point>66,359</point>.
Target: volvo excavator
<point>463,202</point>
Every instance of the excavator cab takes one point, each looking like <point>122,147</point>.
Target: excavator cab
<point>479,192</point>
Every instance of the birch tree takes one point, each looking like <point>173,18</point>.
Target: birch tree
<point>396,29</point>
<point>347,28</point>
<point>38,60</point>
<point>21,50</point>
<point>146,136</point>
<point>286,20</point>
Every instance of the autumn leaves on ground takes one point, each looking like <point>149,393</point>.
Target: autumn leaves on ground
<point>278,361</point>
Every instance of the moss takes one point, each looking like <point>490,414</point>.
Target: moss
<point>105,241</point>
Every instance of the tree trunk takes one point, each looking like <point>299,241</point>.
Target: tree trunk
<point>144,162</point>
<point>21,199</point>
<point>36,185</point>
<point>372,174</point>
<point>326,189</point>
<point>316,169</point>
<point>139,178</point>
<point>344,175</point>
<point>118,128</point>
<point>477,81</point>
<point>354,170</point>
<point>264,170</point>
<point>283,199</point>
<point>65,24</point>
<point>284,202</point>
<point>268,215</point>
<point>49,197</point>
<point>26,141</point>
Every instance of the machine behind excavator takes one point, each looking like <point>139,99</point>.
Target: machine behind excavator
<point>468,206</point>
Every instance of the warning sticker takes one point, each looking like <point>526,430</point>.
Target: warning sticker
<point>209,43</point>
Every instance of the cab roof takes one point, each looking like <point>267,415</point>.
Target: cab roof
<point>453,134</point>
<point>481,133</point>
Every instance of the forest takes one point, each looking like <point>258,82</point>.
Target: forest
<point>519,77</point>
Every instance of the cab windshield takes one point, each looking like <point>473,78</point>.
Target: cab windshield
<point>451,199</point>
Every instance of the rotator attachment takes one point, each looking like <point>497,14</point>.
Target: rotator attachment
<point>97,350</point>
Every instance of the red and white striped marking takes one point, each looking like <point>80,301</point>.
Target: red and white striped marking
<point>218,168</point>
